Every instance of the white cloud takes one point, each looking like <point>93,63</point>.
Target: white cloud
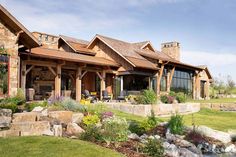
<point>218,63</point>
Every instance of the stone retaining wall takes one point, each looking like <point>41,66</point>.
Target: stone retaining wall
<point>160,109</point>
<point>220,106</point>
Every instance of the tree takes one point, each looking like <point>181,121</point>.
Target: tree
<point>230,84</point>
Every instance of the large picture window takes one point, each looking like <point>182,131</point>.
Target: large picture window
<point>182,81</point>
<point>3,75</point>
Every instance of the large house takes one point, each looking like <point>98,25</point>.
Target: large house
<point>58,65</point>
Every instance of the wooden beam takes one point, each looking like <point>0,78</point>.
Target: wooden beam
<point>102,83</point>
<point>99,75</point>
<point>23,76</point>
<point>78,84</point>
<point>58,82</point>
<point>159,79</point>
<point>28,70</point>
<point>52,70</point>
<point>170,76</point>
<point>83,74</point>
<point>40,63</point>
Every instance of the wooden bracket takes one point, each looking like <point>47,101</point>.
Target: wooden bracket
<point>53,71</point>
<point>28,70</point>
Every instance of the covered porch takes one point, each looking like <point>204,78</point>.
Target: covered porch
<point>42,78</point>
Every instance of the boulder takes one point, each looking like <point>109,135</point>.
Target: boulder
<point>215,134</point>
<point>25,117</point>
<point>31,128</point>
<point>9,133</point>
<point>57,130</point>
<point>61,116</point>
<point>170,150</point>
<point>5,122</point>
<point>230,149</point>
<point>77,117</point>
<point>5,112</point>
<point>5,118</point>
<point>133,136</point>
<point>74,129</point>
<point>38,109</point>
<point>183,152</point>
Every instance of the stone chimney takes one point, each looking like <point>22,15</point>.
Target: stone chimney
<point>172,49</point>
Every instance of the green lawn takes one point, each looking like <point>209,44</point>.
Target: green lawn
<point>218,120</point>
<point>51,146</point>
<point>221,100</point>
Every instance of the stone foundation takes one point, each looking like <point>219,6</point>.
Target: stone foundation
<point>160,109</point>
<point>220,106</point>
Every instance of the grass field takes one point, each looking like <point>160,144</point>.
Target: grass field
<point>51,146</point>
<point>220,100</point>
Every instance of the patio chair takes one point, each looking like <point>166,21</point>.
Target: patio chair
<point>105,96</point>
<point>122,95</point>
<point>87,95</point>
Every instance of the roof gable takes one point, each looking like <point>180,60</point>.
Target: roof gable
<point>25,36</point>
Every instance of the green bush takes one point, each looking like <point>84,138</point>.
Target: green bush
<point>8,103</point>
<point>154,148</point>
<point>176,124</point>
<point>71,105</point>
<point>92,133</point>
<point>135,127</point>
<point>164,99</point>
<point>90,120</point>
<point>180,97</point>
<point>31,106</point>
<point>172,93</point>
<point>115,129</point>
<point>150,123</point>
<point>147,97</point>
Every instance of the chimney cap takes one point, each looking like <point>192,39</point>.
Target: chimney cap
<point>170,44</point>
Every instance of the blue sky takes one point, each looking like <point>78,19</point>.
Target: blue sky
<point>206,29</point>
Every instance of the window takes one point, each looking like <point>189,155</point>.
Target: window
<point>164,81</point>
<point>46,37</point>
<point>182,81</point>
<point>40,37</point>
<point>3,74</point>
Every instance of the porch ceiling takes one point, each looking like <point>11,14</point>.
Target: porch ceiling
<point>73,57</point>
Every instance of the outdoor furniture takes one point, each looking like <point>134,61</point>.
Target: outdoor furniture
<point>30,92</point>
<point>87,95</point>
<point>122,95</point>
<point>67,93</point>
<point>105,96</point>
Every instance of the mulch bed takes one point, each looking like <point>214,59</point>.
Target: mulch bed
<point>127,148</point>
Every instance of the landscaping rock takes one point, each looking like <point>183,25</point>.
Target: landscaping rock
<point>57,130</point>
<point>61,116</point>
<point>25,117</point>
<point>74,129</point>
<point>5,112</point>
<point>77,117</point>
<point>133,136</point>
<point>170,150</point>
<point>230,149</point>
<point>48,133</point>
<point>9,133</point>
<point>183,152</point>
<point>31,128</point>
<point>5,122</point>
<point>5,118</point>
<point>218,135</point>
<point>38,109</point>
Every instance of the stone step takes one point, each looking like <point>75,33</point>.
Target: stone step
<point>25,117</point>
<point>31,128</point>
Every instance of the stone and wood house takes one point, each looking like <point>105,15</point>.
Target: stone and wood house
<point>54,65</point>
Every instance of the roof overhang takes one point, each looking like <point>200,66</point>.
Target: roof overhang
<point>25,37</point>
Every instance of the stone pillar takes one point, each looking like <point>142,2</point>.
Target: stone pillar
<point>78,84</point>
<point>23,76</point>
<point>58,81</point>
<point>207,88</point>
<point>121,83</point>
<point>150,83</point>
<point>157,84</point>
<point>168,81</point>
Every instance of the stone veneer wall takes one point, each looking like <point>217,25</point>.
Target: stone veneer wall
<point>159,110</point>
<point>220,106</point>
<point>8,41</point>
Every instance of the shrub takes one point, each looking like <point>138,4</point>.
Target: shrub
<point>233,138</point>
<point>176,124</point>
<point>172,93</point>
<point>31,106</point>
<point>9,103</point>
<point>170,99</point>
<point>72,105</point>
<point>135,127</point>
<point>107,115</point>
<point>90,120</point>
<point>92,133</point>
<point>195,137</point>
<point>164,99</point>
<point>154,148</point>
<point>150,123</point>
<point>20,96</point>
<point>115,129</point>
<point>147,97</point>
<point>180,97</point>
